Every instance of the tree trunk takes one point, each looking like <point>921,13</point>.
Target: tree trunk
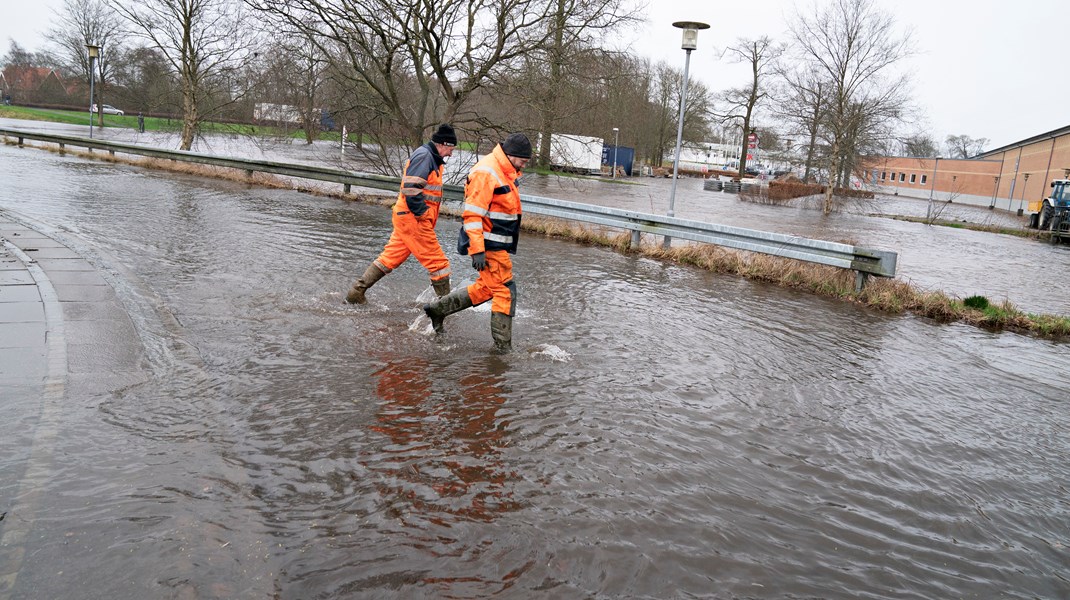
<point>189,116</point>
<point>834,169</point>
<point>745,147</point>
<point>810,150</point>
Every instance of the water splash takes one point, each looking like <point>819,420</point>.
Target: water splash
<point>422,325</point>
<point>552,352</point>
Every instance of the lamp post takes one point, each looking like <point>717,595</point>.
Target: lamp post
<point>1021,202</point>
<point>94,53</point>
<point>616,145</point>
<point>688,43</point>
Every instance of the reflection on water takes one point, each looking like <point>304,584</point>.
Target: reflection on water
<point>443,455</point>
<point>660,431</point>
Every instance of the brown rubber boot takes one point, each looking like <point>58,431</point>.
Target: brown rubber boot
<point>447,305</point>
<point>441,286</point>
<point>372,274</point>
<point>501,329</point>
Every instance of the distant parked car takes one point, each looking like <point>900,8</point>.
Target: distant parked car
<point>106,109</point>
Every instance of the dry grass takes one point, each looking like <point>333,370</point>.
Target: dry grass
<point>886,295</point>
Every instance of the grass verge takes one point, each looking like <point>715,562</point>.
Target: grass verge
<point>1032,234</point>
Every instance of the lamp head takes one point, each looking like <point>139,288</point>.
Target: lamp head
<point>94,51</point>
<point>691,29</point>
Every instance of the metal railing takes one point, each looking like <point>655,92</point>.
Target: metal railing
<point>862,261</point>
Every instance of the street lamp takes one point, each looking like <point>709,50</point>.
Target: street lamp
<point>689,43</point>
<point>1021,202</point>
<point>616,145</point>
<point>94,53</point>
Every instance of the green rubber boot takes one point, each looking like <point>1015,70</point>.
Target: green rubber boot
<point>447,305</point>
<point>441,287</point>
<point>501,329</point>
<point>372,274</point>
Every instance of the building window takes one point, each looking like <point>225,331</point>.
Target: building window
<point>902,177</point>
<point>884,175</point>
<point>893,176</point>
<point>923,178</point>
<point>913,178</point>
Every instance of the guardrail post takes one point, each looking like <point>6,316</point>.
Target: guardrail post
<point>860,280</point>
<point>20,142</point>
<point>635,239</point>
<point>111,152</point>
<point>61,150</point>
<point>345,188</point>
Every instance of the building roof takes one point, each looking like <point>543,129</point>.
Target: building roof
<point>1054,133</point>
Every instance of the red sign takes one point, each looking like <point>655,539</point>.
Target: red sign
<point>750,157</point>
<point>752,137</point>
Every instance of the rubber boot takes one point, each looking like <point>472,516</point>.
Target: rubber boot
<point>447,305</point>
<point>372,274</point>
<point>441,286</point>
<point>501,329</point>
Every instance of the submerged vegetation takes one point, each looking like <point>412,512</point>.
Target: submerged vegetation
<point>891,296</point>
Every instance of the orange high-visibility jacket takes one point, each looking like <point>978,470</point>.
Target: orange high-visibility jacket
<point>491,206</point>
<point>421,183</point>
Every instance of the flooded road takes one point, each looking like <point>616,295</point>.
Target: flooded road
<point>659,432</point>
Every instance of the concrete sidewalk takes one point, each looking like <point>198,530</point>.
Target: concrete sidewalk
<point>63,331</point>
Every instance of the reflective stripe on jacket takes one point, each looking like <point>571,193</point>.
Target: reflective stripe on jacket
<point>421,183</point>
<point>491,206</point>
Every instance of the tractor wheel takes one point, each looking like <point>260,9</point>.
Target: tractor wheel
<point>1044,221</point>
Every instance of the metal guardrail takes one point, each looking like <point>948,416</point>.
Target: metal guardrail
<point>861,260</point>
<point>873,262</point>
<point>346,178</point>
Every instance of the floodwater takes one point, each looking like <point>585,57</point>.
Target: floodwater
<point>659,431</point>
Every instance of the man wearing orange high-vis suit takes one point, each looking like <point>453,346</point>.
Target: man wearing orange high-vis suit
<point>415,216</point>
<point>490,234</point>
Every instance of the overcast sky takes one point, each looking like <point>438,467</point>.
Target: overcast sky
<point>983,68</point>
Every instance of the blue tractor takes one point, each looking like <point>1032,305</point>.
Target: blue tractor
<point>1054,214</point>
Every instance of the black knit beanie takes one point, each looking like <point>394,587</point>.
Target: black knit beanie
<point>517,145</point>
<point>445,135</point>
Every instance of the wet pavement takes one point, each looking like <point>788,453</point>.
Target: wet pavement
<point>192,412</point>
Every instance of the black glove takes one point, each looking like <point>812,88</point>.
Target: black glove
<point>479,261</point>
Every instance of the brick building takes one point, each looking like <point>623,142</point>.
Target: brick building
<point>1008,178</point>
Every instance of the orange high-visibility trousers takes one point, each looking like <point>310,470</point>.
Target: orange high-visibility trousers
<point>416,237</point>
<point>496,282</point>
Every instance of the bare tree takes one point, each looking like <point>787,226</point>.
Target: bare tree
<point>852,45</point>
<point>420,63</point>
<point>143,79</point>
<point>421,60</point>
<point>205,41</point>
<point>920,145</point>
<point>18,65</point>
<point>17,56</point>
<point>298,77</point>
<point>761,55</point>
<point>803,101</point>
<point>574,28</point>
<point>664,113</point>
<point>89,22</point>
<point>964,146</point>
